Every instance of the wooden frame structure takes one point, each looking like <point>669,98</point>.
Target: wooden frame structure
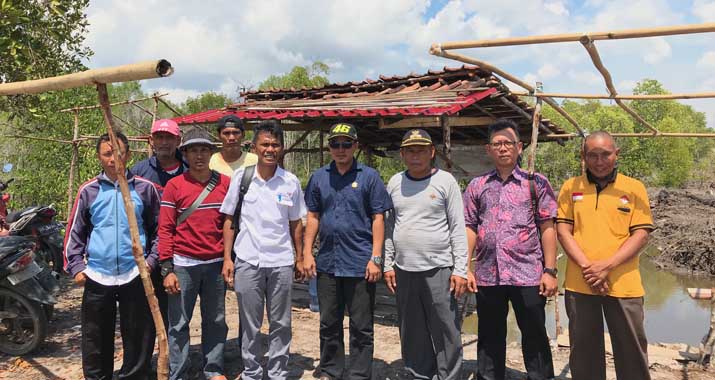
<point>588,42</point>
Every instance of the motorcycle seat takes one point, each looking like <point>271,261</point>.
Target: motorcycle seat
<point>16,215</point>
<point>12,244</point>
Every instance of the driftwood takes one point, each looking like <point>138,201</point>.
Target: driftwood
<point>137,249</point>
<point>136,71</point>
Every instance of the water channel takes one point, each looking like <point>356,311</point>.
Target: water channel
<point>671,316</point>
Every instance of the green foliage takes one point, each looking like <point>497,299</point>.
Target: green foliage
<point>657,161</point>
<point>205,101</point>
<point>39,38</point>
<point>315,75</point>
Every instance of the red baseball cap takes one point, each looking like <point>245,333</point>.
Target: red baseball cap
<point>166,125</point>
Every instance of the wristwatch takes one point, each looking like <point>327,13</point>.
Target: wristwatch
<point>167,266</point>
<point>551,271</point>
<point>376,259</point>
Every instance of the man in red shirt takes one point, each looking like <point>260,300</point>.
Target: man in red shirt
<point>191,256</point>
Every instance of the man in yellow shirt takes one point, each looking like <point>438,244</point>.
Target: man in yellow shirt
<point>603,222</point>
<point>231,157</point>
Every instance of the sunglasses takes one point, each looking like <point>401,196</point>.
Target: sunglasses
<point>338,145</point>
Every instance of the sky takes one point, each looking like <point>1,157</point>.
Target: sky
<point>224,45</point>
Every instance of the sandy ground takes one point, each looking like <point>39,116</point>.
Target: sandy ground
<point>60,358</point>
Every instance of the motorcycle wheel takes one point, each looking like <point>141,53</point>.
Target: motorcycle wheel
<point>23,323</point>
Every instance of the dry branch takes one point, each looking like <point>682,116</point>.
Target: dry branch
<point>125,73</point>
<point>596,58</point>
<point>82,108</point>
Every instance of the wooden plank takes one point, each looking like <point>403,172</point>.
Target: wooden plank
<point>434,122</point>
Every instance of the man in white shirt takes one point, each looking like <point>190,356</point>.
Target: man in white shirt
<point>270,230</point>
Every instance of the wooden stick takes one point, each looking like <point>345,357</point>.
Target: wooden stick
<point>573,37</point>
<point>162,370</point>
<point>487,66</point>
<point>37,138</point>
<point>587,43</point>
<point>298,141</point>
<point>527,116</point>
<point>82,108</point>
<point>447,141</point>
<point>136,71</point>
<point>129,138</point>
<point>73,164</point>
<point>695,95</point>
<point>535,122</point>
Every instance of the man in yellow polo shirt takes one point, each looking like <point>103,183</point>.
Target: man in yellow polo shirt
<point>231,157</point>
<point>603,222</point>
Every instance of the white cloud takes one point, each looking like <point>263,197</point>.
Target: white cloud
<point>178,95</point>
<point>626,86</point>
<point>587,78</point>
<point>707,60</point>
<point>704,10</point>
<point>658,51</point>
<point>556,7</point>
<point>548,71</point>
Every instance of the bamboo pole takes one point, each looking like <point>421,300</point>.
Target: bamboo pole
<point>573,37</point>
<point>82,108</point>
<point>587,43</point>
<point>444,123</point>
<point>535,123</point>
<point>73,164</point>
<point>487,66</point>
<point>150,149</point>
<point>694,95</point>
<point>615,134</point>
<point>526,115</point>
<point>162,369</point>
<point>135,71</point>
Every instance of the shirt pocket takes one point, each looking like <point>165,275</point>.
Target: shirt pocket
<point>620,219</point>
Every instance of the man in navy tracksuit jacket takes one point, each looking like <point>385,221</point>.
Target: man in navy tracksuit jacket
<point>98,255</point>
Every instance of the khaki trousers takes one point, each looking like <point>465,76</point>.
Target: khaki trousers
<point>624,317</point>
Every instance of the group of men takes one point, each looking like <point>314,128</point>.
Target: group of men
<point>231,218</point>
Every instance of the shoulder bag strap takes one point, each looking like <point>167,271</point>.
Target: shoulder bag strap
<point>208,189</point>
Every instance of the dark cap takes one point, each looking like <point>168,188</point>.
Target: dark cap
<point>197,136</point>
<point>230,121</point>
<point>343,129</point>
<point>416,137</point>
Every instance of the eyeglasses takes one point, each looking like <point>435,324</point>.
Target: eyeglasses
<point>507,144</point>
<point>338,145</point>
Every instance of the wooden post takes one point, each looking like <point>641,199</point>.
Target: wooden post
<point>447,141</point>
<point>162,369</point>
<point>73,164</point>
<point>368,156</point>
<point>150,149</point>
<point>535,123</point>
<point>320,149</point>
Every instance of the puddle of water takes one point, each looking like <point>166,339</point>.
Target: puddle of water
<point>671,316</point>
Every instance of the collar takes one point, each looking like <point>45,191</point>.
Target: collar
<point>432,172</point>
<point>611,179</point>
<point>517,174</point>
<point>155,163</point>
<point>280,173</point>
<point>355,166</point>
<point>103,177</point>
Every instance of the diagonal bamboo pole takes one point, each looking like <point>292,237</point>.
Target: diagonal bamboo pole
<point>436,50</point>
<point>587,43</point>
<point>73,164</point>
<point>162,370</point>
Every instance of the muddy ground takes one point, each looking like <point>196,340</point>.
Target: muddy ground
<point>59,357</point>
<point>685,233</point>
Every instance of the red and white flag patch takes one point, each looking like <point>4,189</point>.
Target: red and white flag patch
<point>576,197</point>
<point>624,200</point>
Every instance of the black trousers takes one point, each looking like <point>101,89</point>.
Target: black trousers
<point>99,313</point>
<point>492,310</point>
<point>335,294</point>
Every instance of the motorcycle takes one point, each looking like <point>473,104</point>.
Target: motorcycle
<point>26,296</point>
<point>37,222</point>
